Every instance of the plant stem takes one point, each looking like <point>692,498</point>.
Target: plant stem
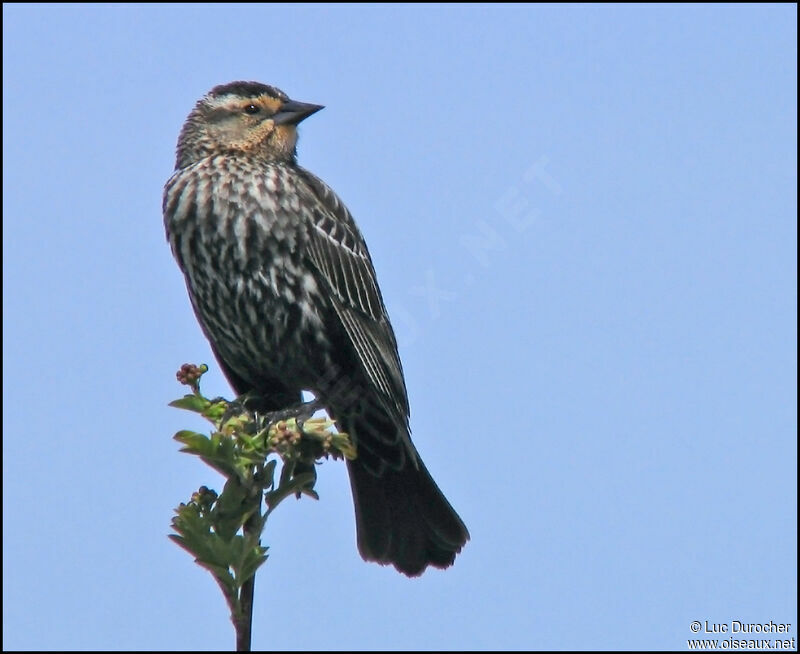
<point>244,626</point>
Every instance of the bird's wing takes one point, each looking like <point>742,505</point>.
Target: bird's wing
<point>339,253</point>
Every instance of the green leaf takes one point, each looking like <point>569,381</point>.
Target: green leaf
<point>343,444</point>
<point>215,410</point>
<point>195,403</point>
<point>251,563</point>
<point>194,441</point>
<point>232,510</point>
<point>300,484</point>
<point>218,451</point>
<point>223,576</point>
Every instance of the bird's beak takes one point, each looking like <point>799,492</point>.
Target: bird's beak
<point>292,112</point>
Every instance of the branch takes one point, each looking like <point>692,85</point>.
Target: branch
<point>223,531</point>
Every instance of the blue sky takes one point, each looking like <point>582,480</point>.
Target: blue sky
<point>583,220</point>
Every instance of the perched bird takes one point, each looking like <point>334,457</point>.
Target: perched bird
<point>285,291</point>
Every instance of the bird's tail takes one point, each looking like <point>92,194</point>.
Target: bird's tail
<point>402,518</point>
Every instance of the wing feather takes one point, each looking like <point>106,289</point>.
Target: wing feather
<point>338,252</point>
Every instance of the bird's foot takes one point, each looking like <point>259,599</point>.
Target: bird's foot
<point>301,412</point>
<point>235,407</point>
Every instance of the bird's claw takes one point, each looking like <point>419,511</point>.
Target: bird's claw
<point>234,407</point>
<point>301,412</point>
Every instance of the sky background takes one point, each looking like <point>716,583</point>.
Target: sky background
<point>583,220</point>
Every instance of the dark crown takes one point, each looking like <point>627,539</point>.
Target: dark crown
<point>247,90</point>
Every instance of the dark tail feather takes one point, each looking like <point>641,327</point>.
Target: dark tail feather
<point>403,518</point>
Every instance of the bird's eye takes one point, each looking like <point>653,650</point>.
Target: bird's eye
<point>252,109</point>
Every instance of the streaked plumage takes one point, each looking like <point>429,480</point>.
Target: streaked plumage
<point>284,288</point>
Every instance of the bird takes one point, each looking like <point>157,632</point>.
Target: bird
<point>284,288</point>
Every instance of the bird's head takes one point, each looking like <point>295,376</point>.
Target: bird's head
<point>243,117</point>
